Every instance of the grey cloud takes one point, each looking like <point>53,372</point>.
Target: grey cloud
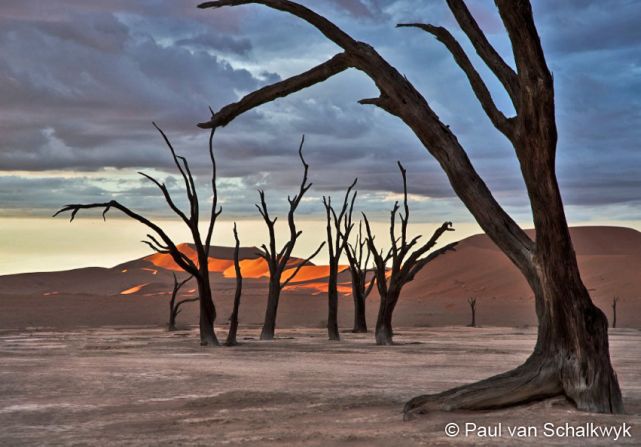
<point>81,82</point>
<point>218,42</point>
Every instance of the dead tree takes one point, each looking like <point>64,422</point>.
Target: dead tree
<point>472,303</point>
<point>233,320</point>
<point>339,227</point>
<point>358,256</point>
<point>278,260</point>
<point>406,262</point>
<point>615,300</point>
<point>160,242</point>
<point>571,356</point>
<point>174,307</point>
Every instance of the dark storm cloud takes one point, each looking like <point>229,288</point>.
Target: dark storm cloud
<point>81,82</point>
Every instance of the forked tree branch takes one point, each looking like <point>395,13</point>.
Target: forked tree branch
<point>190,193</point>
<point>301,265</point>
<point>337,236</point>
<point>168,198</point>
<point>478,86</point>
<point>176,254</point>
<point>504,73</point>
<point>286,251</point>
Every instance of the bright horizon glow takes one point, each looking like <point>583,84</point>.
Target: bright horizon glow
<point>45,244</point>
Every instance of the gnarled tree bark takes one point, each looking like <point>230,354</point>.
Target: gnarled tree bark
<point>339,227</point>
<point>162,243</point>
<point>278,260</point>
<point>571,356</point>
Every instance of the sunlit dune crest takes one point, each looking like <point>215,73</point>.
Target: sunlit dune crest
<point>310,273</point>
<point>51,293</point>
<point>134,289</point>
<point>166,262</point>
<point>153,271</point>
<point>249,268</point>
<point>123,271</point>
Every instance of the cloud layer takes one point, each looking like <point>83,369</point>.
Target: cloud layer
<point>81,83</point>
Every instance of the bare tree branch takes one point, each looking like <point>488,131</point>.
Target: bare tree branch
<point>214,189</point>
<point>329,30</point>
<point>504,73</point>
<point>302,264</point>
<point>478,86</point>
<point>168,199</point>
<point>190,193</point>
<point>188,266</point>
<point>320,73</point>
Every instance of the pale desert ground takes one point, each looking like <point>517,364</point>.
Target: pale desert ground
<point>84,358</point>
<point>143,386</point>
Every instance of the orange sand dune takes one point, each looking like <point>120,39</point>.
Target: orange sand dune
<point>221,260</point>
<point>609,259</point>
<point>249,268</point>
<point>316,288</point>
<point>310,273</point>
<point>134,289</point>
<point>166,262</point>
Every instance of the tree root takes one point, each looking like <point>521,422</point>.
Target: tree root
<point>536,379</point>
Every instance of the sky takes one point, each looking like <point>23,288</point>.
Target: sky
<point>81,83</point>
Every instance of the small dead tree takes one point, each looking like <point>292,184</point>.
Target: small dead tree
<point>339,226</point>
<point>233,320</point>
<point>278,260</point>
<point>405,262</point>
<point>174,307</point>
<point>472,303</point>
<point>615,300</point>
<point>358,256</point>
<point>160,242</point>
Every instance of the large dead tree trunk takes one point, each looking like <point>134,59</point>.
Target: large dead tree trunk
<point>406,262</point>
<point>174,306</point>
<point>571,356</point>
<point>339,227</point>
<point>233,320</point>
<point>160,242</point>
<point>358,256</point>
<point>278,260</point>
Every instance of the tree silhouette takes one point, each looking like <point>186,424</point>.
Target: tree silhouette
<point>174,307</point>
<point>472,303</point>
<point>571,356</point>
<point>233,320</point>
<point>358,256</point>
<point>615,300</point>
<point>407,259</point>
<point>278,260</point>
<point>339,227</point>
<point>160,242</point>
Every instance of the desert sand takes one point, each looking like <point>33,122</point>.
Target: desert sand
<point>143,386</point>
<point>137,292</point>
<point>85,359</point>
